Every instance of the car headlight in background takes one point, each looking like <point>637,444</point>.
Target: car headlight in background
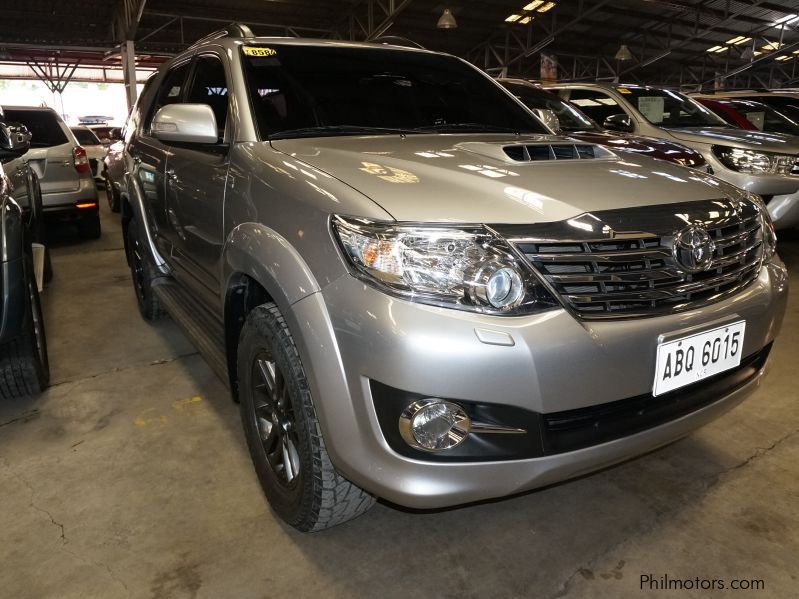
<point>767,227</point>
<point>750,161</point>
<point>465,268</point>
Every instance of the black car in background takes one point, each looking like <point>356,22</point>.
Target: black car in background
<point>24,367</point>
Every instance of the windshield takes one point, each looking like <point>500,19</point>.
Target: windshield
<point>570,118</point>
<point>669,109</point>
<point>85,137</point>
<point>765,118</point>
<point>310,91</point>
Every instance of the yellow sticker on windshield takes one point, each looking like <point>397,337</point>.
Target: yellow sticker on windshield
<point>259,51</point>
<point>623,90</point>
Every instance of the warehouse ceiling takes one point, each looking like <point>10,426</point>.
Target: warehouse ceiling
<point>672,42</point>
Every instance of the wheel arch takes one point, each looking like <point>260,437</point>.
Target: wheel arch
<point>259,266</point>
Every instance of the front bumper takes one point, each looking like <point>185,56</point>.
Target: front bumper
<point>546,363</point>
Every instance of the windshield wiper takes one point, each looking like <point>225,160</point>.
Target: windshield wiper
<point>323,130</point>
<point>476,127</point>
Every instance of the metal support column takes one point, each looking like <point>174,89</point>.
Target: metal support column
<point>129,71</point>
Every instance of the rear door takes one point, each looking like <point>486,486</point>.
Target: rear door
<point>51,154</point>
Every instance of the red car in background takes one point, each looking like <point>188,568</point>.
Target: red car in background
<point>751,115</point>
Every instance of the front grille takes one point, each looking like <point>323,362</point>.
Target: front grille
<point>637,274</point>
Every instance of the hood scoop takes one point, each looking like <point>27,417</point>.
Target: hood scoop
<point>536,151</point>
<point>565,151</point>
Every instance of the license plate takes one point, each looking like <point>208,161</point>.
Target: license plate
<point>695,357</point>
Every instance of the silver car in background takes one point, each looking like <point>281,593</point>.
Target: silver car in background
<point>95,151</point>
<point>766,164</point>
<point>415,291</point>
<point>69,193</point>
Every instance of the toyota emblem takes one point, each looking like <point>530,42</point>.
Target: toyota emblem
<point>694,249</point>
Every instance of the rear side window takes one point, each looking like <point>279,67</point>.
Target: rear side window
<point>85,137</point>
<point>43,124</point>
<point>210,87</point>
<point>597,105</point>
<point>171,90</point>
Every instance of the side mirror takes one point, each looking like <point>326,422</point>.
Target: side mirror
<point>185,123</point>
<point>548,117</point>
<point>619,122</point>
<point>15,140</point>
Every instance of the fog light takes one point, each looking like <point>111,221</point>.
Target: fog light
<point>434,424</point>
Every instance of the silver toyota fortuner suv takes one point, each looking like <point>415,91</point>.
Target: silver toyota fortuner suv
<point>415,292</point>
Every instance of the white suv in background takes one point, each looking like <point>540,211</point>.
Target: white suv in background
<point>763,163</point>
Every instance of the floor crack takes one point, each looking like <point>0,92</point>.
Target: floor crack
<point>158,362</point>
<point>759,452</point>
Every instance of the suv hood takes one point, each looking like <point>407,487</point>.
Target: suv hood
<point>739,138</point>
<point>469,178</point>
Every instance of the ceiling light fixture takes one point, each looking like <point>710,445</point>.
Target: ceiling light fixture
<point>513,18</point>
<point>786,19</point>
<point>533,5</point>
<point>624,53</point>
<point>447,20</point>
<point>713,49</point>
<point>546,7</point>
<point>525,20</point>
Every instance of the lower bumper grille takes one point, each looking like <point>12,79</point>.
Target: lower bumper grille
<point>576,429</point>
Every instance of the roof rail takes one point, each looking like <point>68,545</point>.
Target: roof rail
<point>396,40</point>
<point>232,30</point>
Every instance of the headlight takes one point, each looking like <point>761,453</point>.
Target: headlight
<point>767,228</point>
<point>749,161</point>
<point>466,268</point>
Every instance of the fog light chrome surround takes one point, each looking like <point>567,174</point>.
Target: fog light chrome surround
<point>434,424</point>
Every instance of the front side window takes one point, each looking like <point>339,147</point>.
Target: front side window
<point>668,109</point>
<point>171,90</point>
<point>298,91</point>
<point>210,87</point>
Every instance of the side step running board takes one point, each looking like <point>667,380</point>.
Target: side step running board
<point>202,329</point>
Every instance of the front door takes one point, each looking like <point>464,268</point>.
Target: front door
<point>195,188</point>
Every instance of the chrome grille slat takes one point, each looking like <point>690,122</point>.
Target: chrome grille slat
<point>622,256</point>
<point>626,274</point>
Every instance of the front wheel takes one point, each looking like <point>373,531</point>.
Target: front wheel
<point>24,366</point>
<point>283,433</point>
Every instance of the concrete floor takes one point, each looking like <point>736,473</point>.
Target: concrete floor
<point>130,478</point>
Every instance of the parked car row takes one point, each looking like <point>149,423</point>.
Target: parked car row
<point>416,290</point>
<point>424,287</point>
<point>24,366</point>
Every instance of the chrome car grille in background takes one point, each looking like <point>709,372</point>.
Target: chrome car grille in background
<point>637,274</point>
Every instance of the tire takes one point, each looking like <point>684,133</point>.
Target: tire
<point>143,275</point>
<point>113,195</point>
<point>89,227</point>
<point>24,366</point>
<point>308,494</point>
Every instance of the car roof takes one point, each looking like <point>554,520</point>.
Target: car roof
<point>33,108</point>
